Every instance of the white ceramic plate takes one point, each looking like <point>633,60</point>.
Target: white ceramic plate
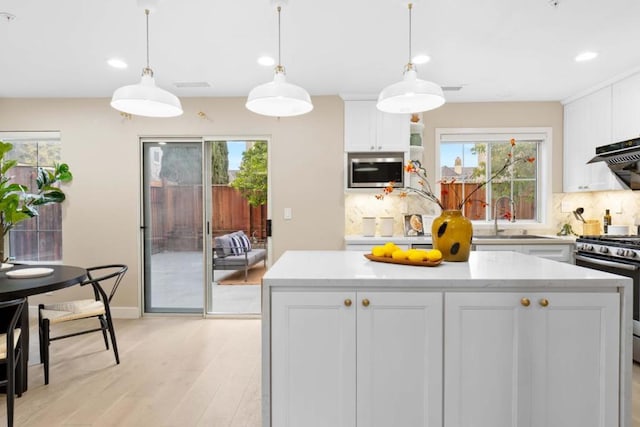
<point>4,267</point>
<point>29,272</point>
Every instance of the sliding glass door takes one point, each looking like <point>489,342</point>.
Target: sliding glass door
<point>239,204</point>
<point>194,191</point>
<point>173,228</point>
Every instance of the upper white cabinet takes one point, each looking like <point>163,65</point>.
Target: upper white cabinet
<point>626,109</point>
<point>368,129</point>
<point>587,125</point>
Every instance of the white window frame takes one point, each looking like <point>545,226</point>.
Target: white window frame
<point>543,162</point>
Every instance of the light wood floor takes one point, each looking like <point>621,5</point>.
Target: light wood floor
<point>174,371</point>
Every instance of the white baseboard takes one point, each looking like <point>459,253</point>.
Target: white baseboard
<point>116,312</point>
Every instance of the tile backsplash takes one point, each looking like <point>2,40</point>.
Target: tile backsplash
<point>624,206</point>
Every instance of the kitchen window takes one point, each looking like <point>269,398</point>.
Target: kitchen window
<point>38,238</point>
<point>468,157</point>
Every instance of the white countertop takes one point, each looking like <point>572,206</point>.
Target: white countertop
<point>477,240</point>
<point>374,240</point>
<point>504,269</point>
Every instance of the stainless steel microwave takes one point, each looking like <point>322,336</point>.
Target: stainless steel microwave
<point>375,170</point>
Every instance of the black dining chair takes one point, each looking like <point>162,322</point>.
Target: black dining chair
<point>100,278</point>
<point>11,352</point>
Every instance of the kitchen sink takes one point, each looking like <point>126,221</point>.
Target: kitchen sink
<point>512,237</point>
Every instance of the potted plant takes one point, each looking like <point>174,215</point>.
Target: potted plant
<point>17,203</point>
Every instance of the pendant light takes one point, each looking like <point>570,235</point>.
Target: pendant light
<point>279,98</point>
<point>411,95</point>
<point>145,98</point>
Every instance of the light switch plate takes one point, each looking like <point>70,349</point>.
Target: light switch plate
<point>566,206</point>
<point>287,213</point>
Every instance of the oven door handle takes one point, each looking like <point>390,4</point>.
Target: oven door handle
<point>607,263</point>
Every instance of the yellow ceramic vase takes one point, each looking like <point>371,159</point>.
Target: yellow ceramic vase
<point>451,233</point>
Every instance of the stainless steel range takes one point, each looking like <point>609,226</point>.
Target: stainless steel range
<point>618,255</point>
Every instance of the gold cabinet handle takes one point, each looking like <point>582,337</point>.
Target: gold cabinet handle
<point>544,302</point>
<point>365,302</point>
<point>525,301</point>
<point>347,302</point>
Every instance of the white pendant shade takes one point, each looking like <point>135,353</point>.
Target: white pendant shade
<point>146,99</point>
<point>411,95</point>
<point>279,98</point>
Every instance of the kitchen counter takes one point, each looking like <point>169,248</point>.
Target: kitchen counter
<point>381,240</point>
<point>326,314</point>
<point>539,239</point>
<point>483,270</point>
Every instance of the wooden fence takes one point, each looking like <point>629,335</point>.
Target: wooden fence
<point>38,238</point>
<point>476,208</point>
<point>176,216</point>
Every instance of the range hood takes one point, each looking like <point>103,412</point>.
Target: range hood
<point>623,158</point>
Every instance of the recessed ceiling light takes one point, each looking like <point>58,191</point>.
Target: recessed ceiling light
<point>117,63</point>
<point>586,56</point>
<point>421,59</point>
<point>266,61</point>
<point>6,16</point>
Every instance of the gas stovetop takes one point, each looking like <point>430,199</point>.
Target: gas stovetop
<point>607,246</point>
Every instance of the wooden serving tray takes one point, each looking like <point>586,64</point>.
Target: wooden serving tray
<point>402,261</point>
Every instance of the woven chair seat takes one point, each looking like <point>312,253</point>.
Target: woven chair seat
<point>3,342</point>
<point>72,310</point>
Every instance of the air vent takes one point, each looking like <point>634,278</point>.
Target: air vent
<point>191,84</point>
<point>623,158</point>
<point>451,88</point>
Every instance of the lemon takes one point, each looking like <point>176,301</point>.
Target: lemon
<point>416,256</point>
<point>378,251</point>
<point>389,248</point>
<point>434,255</point>
<point>399,254</point>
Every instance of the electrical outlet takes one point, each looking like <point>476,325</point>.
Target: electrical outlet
<point>566,206</point>
<point>617,207</point>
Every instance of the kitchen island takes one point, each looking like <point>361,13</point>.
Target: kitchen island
<point>504,339</point>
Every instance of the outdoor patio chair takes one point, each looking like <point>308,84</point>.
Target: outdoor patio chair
<point>11,352</point>
<point>99,278</point>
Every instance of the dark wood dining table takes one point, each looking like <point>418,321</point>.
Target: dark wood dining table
<point>62,276</point>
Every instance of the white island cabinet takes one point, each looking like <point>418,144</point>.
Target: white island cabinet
<point>531,359</point>
<point>502,340</point>
<point>338,355</point>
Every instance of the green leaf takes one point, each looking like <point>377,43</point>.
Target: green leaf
<point>5,147</point>
<point>6,165</point>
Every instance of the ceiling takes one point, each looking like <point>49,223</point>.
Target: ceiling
<point>497,50</point>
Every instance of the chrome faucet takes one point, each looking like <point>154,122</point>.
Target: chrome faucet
<point>512,205</point>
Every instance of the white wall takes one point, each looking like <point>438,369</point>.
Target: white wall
<point>102,211</point>
<point>101,215</point>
